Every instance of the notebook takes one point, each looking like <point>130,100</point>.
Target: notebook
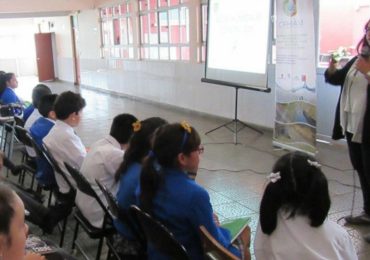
<point>37,245</point>
<point>236,226</point>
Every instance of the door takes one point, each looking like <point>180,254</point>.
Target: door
<point>44,56</point>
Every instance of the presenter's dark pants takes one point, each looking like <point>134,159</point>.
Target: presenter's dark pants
<point>360,159</point>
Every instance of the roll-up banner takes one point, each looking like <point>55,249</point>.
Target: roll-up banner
<point>295,120</point>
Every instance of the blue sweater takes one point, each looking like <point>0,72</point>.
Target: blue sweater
<point>39,129</point>
<point>27,112</point>
<point>129,183</point>
<point>183,206</point>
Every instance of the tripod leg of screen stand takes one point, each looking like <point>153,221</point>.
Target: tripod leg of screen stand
<point>235,121</point>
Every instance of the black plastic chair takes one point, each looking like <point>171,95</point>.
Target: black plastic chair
<point>159,236</point>
<point>95,233</point>
<point>118,213</point>
<point>39,156</point>
<point>28,162</point>
<point>57,170</point>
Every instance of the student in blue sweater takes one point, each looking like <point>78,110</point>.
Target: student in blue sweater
<point>128,175</point>
<point>39,129</point>
<point>7,85</point>
<point>172,197</point>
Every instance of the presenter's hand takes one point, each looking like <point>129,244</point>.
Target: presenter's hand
<point>332,65</point>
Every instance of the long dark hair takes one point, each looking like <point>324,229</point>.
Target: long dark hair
<point>7,198</point>
<point>363,41</point>
<point>169,141</point>
<point>302,189</point>
<point>139,144</point>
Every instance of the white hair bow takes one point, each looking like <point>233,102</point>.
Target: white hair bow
<point>313,163</point>
<point>274,177</point>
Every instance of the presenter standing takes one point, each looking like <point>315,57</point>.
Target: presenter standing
<point>352,118</point>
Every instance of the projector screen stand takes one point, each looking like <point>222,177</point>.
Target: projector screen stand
<point>235,122</point>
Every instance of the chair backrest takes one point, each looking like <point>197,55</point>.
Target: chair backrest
<point>83,185</point>
<point>19,121</point>
<point>36,147</point>
<point>113,207</point>
<point>54,164</point>
<point>212,249</point>
<point>118,213</point>
<point>159,236</point>
<point>22,135</point>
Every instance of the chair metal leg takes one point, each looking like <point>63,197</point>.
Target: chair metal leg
<point>63,232</point>
<point>75,236</point>
<point>99,248</point>
<point>50,195</point>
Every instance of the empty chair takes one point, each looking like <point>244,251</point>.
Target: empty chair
<point>159,236</point>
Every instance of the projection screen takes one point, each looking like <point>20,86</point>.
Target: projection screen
<point>237,43</point>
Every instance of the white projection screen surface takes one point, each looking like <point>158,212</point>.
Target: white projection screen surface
<point>237,43</point>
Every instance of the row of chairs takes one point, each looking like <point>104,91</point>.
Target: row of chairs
<point>143,226</point>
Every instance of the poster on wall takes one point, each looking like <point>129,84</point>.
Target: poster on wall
<point>295,120</point>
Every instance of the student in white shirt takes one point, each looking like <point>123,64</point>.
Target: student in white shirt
<point>293,215</point>
<point>62,141</point>
<point>37,93</point>
<point>102,162</point>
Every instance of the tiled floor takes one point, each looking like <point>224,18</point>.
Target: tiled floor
<point>234,175</point>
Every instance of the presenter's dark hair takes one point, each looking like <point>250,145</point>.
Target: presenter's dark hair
<point>302,190</point>
<point>168,143</point>
<point>7,211</point>
<point>38,92</point>
<point>139,144</point>
<point>46,104</point>
<point>122,128</point>
<point>67,103</point>
<point>363,41</point>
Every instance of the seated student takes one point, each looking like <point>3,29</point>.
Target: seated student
<point>37,93</point>
<point>293,215</point>
<point>13,230</point>
<point>101,163</point>
<point>128,173</point>
<point>39,129</point>
<point>176,200</point>
<point>7,85</point>
<point>62,141</point>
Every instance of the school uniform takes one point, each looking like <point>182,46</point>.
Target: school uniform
<point>126,197</point>
<point>67,147</point>
<point>27,112</point>
<point>294,238</point>
<point>182,206</point>
<point>31,119</point>
<point>8,96</point>
<point>101,163</point>
<point>39,129</point>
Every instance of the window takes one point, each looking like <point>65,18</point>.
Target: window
<point>117,29</point>
<point>164,26</point>
<point>203,32</point>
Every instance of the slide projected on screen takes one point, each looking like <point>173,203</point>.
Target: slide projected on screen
<point>238,34</point>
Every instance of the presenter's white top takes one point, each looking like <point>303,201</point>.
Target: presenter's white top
<point>31,119</point>
<point>101,162</point>
<point>294,239</point>
<point>67,147</point>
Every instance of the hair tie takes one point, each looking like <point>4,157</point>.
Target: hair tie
<point>274,177</point>
<point>136,126</point>
<point>187,131</point>
<point>314,164</point>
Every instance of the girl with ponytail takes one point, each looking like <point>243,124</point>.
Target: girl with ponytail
<point>293,214</point>
<point>128,176</point>
<point>170,195</point>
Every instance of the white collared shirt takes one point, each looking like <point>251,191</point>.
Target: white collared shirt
<point>101,162</point>
<point>67,147</point>
<point>29,122</point>
<point>294,238</point>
